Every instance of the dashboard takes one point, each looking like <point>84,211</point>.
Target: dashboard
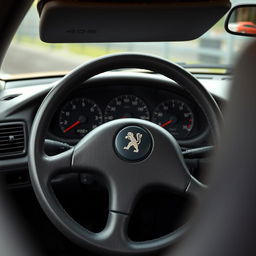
<point>142,95</point>
<point>93,104</point>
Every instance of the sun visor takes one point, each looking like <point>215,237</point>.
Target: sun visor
<point>74,21</point>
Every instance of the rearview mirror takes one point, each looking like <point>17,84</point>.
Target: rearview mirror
<point>241,20</point>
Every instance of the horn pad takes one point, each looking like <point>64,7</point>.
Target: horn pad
<point>133,143</point>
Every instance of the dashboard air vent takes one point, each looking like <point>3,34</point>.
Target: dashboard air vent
<point>12,139</point>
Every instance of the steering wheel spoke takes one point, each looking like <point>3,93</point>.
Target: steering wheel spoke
<point>52,165</point>
<point>115,233</point>
<point>196,188</point>
<point>123,195</point>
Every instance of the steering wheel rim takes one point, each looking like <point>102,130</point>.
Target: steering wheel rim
<point>42,167</point>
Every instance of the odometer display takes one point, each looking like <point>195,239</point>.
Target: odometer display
<point>78,117</point>
<point>126,106</point>
<point>175,116</point>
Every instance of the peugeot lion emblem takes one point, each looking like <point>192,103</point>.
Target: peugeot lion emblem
<point>134,142</point>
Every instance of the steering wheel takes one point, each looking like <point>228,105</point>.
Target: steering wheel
<point>127,154</point>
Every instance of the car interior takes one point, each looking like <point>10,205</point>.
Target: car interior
<point>127,127</point>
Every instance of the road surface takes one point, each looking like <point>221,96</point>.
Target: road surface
<point>25,59</point>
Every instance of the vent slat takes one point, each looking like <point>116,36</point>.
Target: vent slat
<point>12,139</point>
<point>3,129</point>
<point>11,144</point>
<point>7,140</point>
<point>7,135</point>
<point>10,148</point>
<point>11,133</point>
<point>10,126</point>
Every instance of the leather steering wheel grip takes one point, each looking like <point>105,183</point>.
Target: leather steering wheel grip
<point>113,239</point>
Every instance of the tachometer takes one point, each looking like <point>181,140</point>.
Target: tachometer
<point>175,116</point>
<point>78,117</point>
<point>126,106</point>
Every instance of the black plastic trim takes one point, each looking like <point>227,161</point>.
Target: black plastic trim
<point>12,155</point>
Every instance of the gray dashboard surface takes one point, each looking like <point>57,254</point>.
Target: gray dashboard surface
<point>28,94</point>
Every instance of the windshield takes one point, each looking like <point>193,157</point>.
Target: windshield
<point>27,54</point>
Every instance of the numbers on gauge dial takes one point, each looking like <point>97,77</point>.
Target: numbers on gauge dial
<point>175,116</point>
<point>78,117</point>
<point>126,106</point>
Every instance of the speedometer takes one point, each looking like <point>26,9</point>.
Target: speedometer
<point>126,106</point>
<point>78,117</point>
<point>175,116</point>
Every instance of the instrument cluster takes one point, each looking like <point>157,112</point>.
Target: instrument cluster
<point>84,111</point>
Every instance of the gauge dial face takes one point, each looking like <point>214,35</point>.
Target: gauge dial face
<point>126,106</point>
<point>175,116</point>
<point>78,117</point>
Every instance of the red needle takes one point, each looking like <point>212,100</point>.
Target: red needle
<point>166,123</point>
<point>72,126</point>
